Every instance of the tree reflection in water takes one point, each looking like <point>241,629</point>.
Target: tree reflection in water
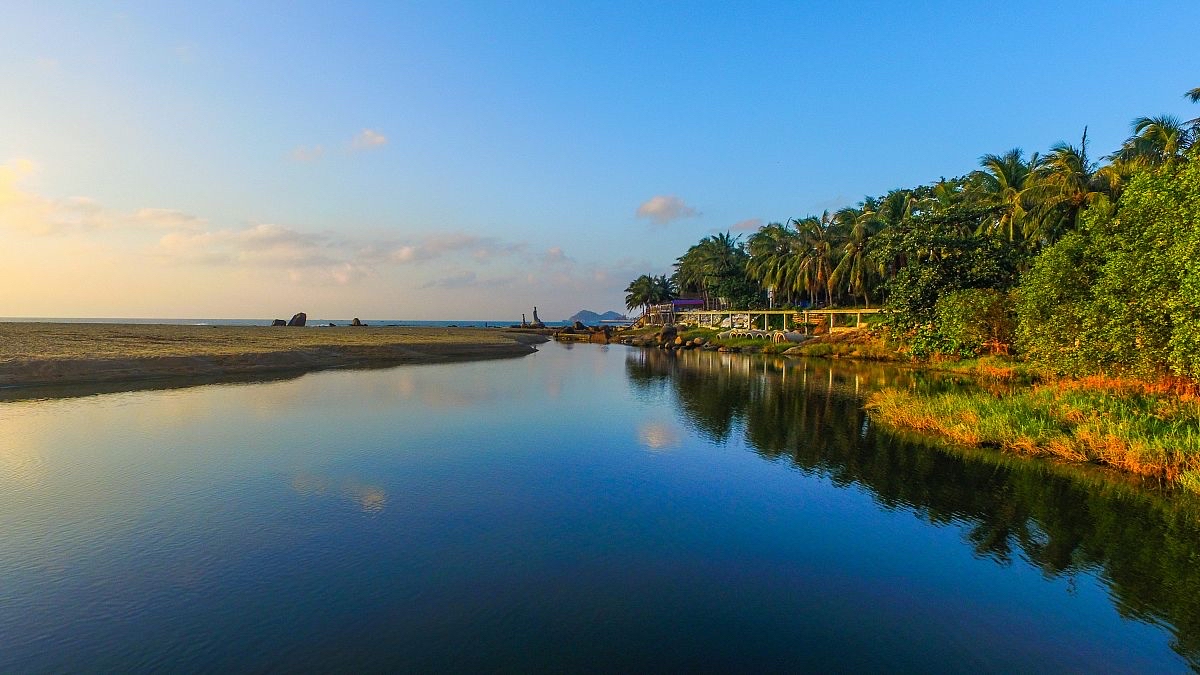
<point>1144,543</point>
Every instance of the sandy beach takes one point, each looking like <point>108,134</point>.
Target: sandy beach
<point>53,354</point>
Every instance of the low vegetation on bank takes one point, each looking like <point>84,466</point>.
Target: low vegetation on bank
<point>1121,424</point>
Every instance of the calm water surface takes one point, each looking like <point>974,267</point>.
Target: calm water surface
<point>582,508</point>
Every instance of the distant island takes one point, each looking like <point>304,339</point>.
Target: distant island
<point>591,318</point>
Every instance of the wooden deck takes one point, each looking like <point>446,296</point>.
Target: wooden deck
<point>751,318</point>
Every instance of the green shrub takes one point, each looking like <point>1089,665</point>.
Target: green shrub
<point>1122,295</point>
<point>969,319</point>
<point>940,257</point>
<point>821,349</point>
<point>1054,302</point>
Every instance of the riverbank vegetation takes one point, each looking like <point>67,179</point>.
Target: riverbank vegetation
<point>1080,274</point>
<point>1110,422</point>
<point>1081,266</point>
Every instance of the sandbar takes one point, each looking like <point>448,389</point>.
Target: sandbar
<point>58,354</point>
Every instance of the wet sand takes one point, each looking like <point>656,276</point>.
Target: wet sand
<point>66,355</point>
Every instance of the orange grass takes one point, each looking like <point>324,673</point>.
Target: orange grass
<point>1149,429</point>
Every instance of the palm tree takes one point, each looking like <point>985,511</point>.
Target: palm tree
<point>662,290</point>
<point>1157,140</point>
<point>1067,183</point>
<point>1006,178</point>
<point>855,271</point>
<point>770,249</point>
<point>640,293</point>
<point>706,264</point>
<point>724,254</point>
<point>811,268</point>
<point>1193,95</point>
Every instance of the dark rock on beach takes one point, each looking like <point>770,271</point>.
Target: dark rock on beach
<point>298,319</point>
<point>278,322</point>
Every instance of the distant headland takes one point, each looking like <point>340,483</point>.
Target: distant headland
<point>591,318</point>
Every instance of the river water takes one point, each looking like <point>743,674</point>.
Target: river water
<point>582,508</point>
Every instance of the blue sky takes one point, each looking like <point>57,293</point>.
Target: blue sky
<point>470,160</point>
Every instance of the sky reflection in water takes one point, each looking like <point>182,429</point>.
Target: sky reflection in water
<point>578,508</point>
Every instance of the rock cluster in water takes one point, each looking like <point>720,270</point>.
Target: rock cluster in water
<point>668,338</point>
<point>581,333</point>
<point>297,319</point>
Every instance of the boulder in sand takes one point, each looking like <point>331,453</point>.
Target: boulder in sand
<point>298,319</point>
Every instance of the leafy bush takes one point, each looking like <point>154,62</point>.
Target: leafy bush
<point>969,319</point>
<point>1054,302</point>
<point>1123,294</point>
<point>924,341</point>
<point>939,256</point>
<point>820,349</point>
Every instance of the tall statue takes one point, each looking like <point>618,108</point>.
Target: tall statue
<point>537,323</point>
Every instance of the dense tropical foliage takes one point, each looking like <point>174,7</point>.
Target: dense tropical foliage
<point>1085,265</point>
<point>649,290</point>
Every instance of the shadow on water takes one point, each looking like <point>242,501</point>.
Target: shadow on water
<point>10,394</point>
<point>56,391</point>
<point>1143,542</point>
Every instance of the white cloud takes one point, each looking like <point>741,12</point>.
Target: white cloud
<point>748,225</point>
<point>28,212</point>
<point>264,245</point>
<point>22,210</point>
<point>555,256</point>
<point>168,219</point>
<point>185,253</point>
<point>481,249</point>
<point>368,139</point>
<point>663,209</point>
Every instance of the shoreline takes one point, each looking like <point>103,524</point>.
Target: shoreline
<point>1124,425</point>
<point>1144,430</point>
<point>67,356</point>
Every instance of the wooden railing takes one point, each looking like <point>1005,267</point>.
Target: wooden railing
<point>750,318</point>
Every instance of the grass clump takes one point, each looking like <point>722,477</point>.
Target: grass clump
<point>1122,425</point>
<point>691,333</point>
